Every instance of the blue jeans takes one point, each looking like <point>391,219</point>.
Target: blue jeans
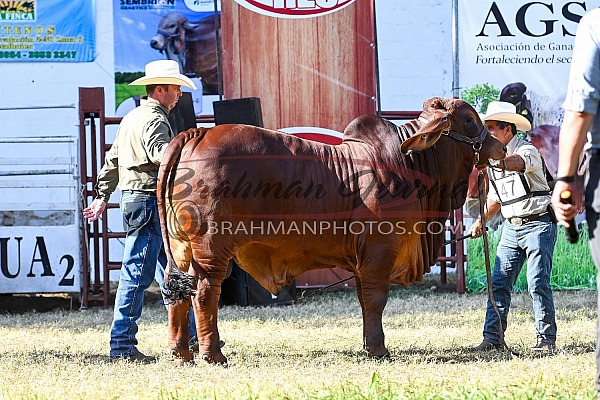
<point>532,242</point>
<point>143,248</point>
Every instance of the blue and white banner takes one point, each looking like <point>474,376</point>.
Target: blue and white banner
<point>47,30</point>
<point>508,41</point>
<point>180,30</point>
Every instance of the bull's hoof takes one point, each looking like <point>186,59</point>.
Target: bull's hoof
<point>384,357</point>
<point>182,359</point>
<point>219,359</point>
<point>381,354</point>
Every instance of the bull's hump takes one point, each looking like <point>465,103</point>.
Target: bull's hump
<point>380,135</point>
<point>240,140</point>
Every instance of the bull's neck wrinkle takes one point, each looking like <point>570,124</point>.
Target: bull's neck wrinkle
<point>403,132</point>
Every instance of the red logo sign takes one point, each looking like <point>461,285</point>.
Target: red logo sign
<point>294,8</point>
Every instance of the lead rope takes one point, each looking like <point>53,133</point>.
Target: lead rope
<point>488,269</point>
<point>486,252</point>
<point>302,296</point>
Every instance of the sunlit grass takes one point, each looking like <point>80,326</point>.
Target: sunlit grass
<point>311,350</point>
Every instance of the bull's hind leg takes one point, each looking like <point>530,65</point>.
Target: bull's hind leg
<point>374,291</point>
<point>179,310</point>
<point>212,272</point>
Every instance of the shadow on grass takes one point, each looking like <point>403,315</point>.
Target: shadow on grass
<point>52,356</point>
<point>457,355</point>
<point>412,355</point>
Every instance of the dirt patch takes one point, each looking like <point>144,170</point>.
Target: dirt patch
<point>21,303</point>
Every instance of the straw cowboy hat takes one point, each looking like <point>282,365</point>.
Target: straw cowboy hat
<point>506,112</point>
<point>164,72</point>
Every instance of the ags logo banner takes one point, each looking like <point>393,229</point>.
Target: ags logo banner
<point>294,8</point>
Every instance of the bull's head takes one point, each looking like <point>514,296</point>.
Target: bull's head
<point>170,37</point>
<point>515,93</point>
<point>460,121</point>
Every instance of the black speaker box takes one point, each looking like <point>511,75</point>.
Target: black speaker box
<point>243,290</point>
<point>182,116</point>
<point>238,111</point>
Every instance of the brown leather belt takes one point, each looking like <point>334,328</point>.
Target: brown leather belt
<point>518,221</point>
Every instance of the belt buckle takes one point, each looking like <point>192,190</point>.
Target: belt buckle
<point>518,221</point>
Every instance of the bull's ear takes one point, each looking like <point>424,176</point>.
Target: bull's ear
<point>190,26</point>
<point>426,136</point>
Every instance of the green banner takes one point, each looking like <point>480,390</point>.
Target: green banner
<point>47,30</point>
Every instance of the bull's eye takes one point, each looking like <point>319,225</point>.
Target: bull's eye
<point>469,120</point>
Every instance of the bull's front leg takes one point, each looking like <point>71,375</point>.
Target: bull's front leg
<point>373,298</point>
<point>362,308</point>
<point>179,332</point>
<point>206,304</point>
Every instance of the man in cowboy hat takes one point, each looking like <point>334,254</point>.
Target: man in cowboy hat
<point>132,164</point>
<point>520,191</point>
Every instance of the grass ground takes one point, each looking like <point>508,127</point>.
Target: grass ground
<point>310,350</point>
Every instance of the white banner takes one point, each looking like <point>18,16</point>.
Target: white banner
<point>501,42</point>
<point>40,259</point>
<point>40,244</point>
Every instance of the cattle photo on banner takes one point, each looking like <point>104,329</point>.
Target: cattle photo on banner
<point>520,52</point>
<point>184,31</point>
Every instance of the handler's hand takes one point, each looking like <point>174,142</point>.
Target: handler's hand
<point>476,229</point>
<point>94,210</point>
<point>567,212</point>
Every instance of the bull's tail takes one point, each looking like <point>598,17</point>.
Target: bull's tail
<point>178,284</point>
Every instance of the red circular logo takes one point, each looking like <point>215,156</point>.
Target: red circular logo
<point>294,8</point>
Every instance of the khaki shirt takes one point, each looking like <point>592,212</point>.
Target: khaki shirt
<point>534,175</point>
<point>133,159</point>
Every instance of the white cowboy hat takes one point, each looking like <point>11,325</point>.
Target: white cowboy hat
<point>164,72</point>
<point>506,112</point>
